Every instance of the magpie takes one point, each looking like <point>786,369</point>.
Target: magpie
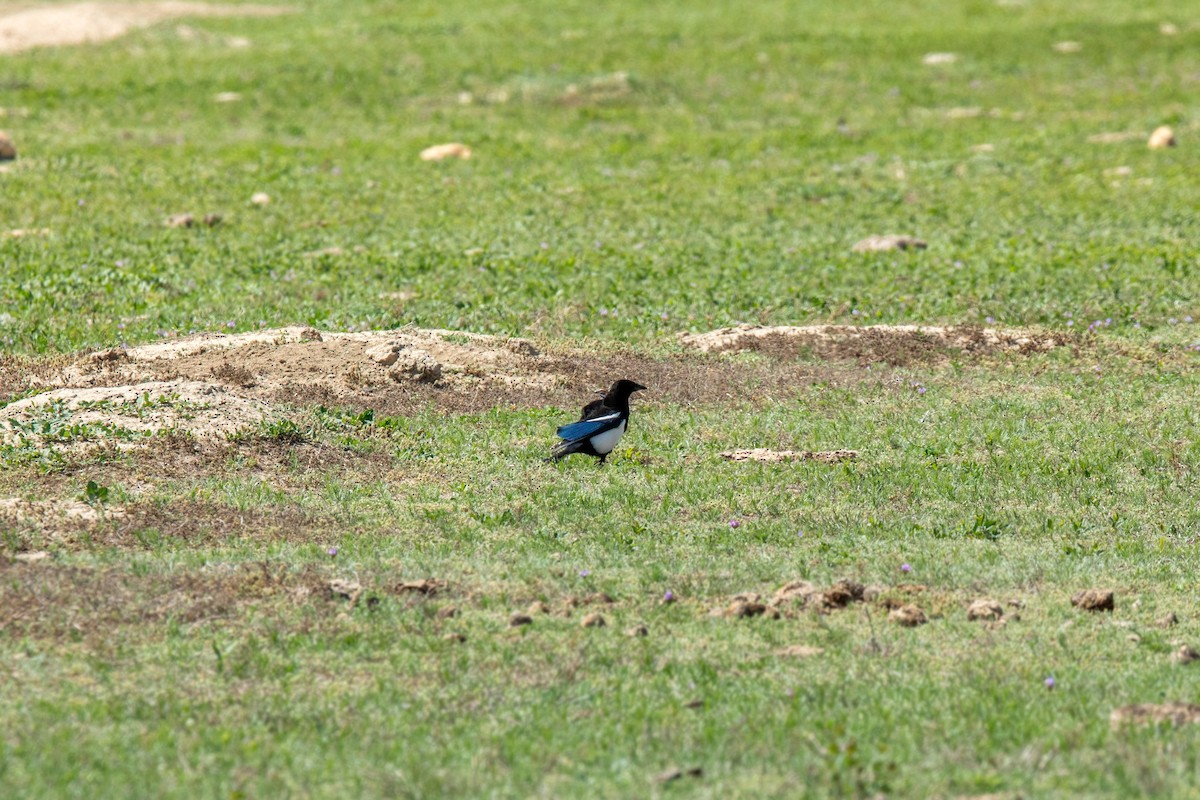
<point>600,426</point>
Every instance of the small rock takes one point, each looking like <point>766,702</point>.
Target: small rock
<point>988,610</point>
<point>1170,620</point>
<point>227,97</point>
<point>909,616</point>
<point>32,557</point>
<point>1162,137</point>
<point>1185,655</point>
<point>1067,47</point>
<point>1094,600</point>
<point>799,651</point>
<point>739,609</point>
<point>1168,29</point>
<point>212,220</point>
<point>637,631</point>
<point>311,335</point>
<point>260,198</point>
<point>415,364</point>
<point>877,244</point>
<point>537,607</point>
<point>8,150</point>
<point>439,152</point>
<point>179,221</point>
<point>385,354</point>
<point>517,620</point>
<point>447,612</point>
<point>938,59</point>
<point>593,620</point>
<point>1152,713</point>
<point>455,637</point>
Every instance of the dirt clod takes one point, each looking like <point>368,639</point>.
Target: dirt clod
<point>876,244</point>
<point>593,620</point>
<point>1094,600</point>
<point>637,631</point>
<point>774,456</point>
<point>1169,620</point>
<point>985,610</point>
<point>440,152</point>
<point>346,589</point>
<point>447,612</point>
<point>740,609</point>
<point>675,773</point>
<point>32,557</point>
<point>1162,137</point>
<point>8,150</point>
<point>179,221</point>
<point>909,616</point>
<point>1155,713</point>
<point>1185,655</point>
<point>415,365</point>
<point>427,586</point>
<point>537,607</point>
<point>458,638</point>
<point>518,619</point>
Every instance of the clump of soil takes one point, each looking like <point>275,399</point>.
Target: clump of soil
<point>909,616</point>
<point>1094,600</point>
<point>894,344</point>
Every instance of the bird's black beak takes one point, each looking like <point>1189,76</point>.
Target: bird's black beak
<point>637,387</point>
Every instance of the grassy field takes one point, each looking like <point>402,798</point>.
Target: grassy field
<point>320,603</point>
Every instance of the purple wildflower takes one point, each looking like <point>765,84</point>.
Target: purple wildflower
<point>1050,682</point>
<point>733,523</point>
<point>668,596</point>
<point>332,551</point>
<point>906,568</point>
<point>231,324</point>
<point>583,573</point>
<point>990,320</point>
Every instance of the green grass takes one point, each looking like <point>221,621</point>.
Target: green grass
<point>695,176</point>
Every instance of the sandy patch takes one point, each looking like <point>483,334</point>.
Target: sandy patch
<point>127,415</point>
<point>88,23</point>
<point>15,509</point>
<point>893,343</point>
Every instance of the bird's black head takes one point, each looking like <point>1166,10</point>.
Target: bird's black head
<point>623,389</point>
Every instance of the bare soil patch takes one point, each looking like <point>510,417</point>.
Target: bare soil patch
<point>768,456</point>
<point>1155,713</point>
<point>894,344</point>
<point>89,23</point>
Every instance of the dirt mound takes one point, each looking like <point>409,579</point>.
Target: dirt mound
<point>83,23</point>
<point>126,415</point>
<point>895,344</point>
<point>262,364</point>
<point>213,385</point>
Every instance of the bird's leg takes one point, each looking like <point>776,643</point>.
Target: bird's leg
<point>602,459</point>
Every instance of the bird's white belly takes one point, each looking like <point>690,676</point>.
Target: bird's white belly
<point>603,443</point>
